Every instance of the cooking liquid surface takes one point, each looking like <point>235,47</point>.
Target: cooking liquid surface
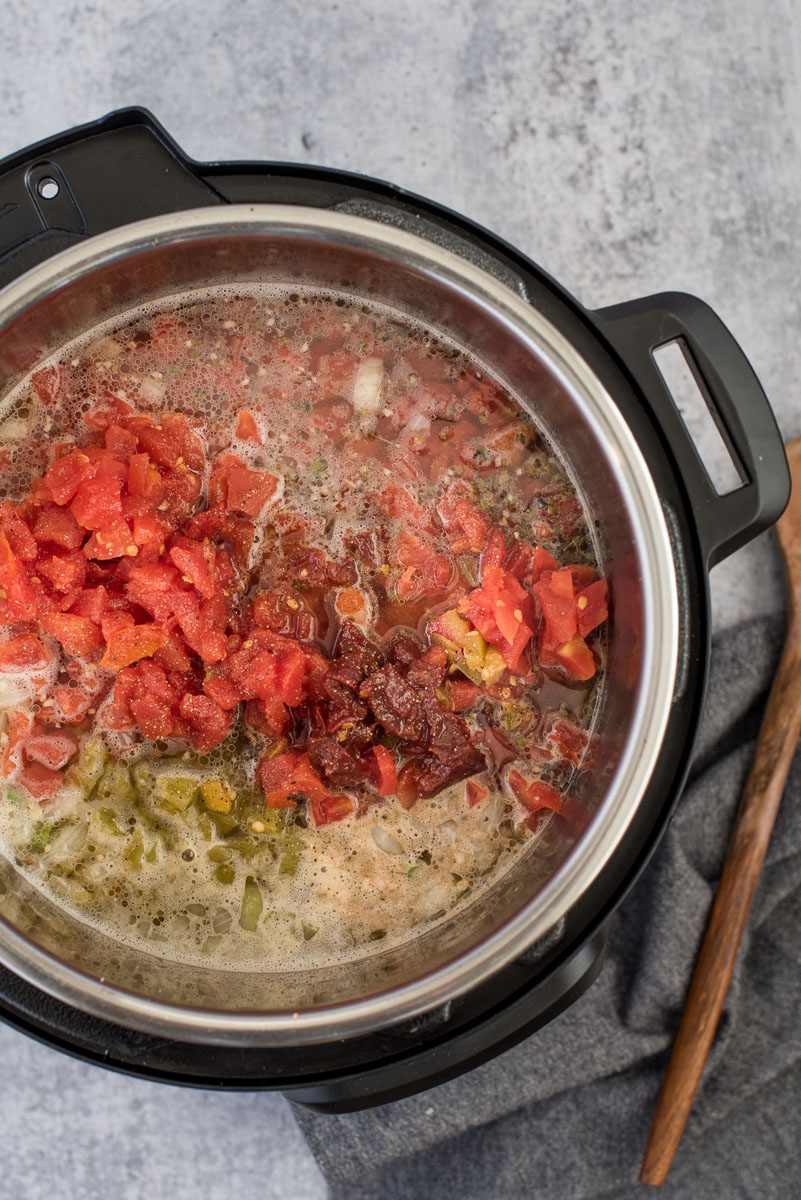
<point>376,431</point>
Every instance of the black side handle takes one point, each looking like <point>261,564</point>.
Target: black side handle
<point>87,180</point>
<point>736,401</point>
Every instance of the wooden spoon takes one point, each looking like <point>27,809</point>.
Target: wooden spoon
<point>775,747</point>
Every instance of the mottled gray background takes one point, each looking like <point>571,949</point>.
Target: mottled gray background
<point>627,147</point>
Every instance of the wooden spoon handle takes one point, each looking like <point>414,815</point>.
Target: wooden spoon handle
<point>757,813</point>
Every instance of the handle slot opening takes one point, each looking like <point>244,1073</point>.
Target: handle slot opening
<point>721,463</point>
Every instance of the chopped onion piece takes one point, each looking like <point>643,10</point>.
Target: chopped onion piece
<point>367,386</point>
<point>13,692</point>
<point>385,841</point>
<point>14,429</point>
<point>103,349</point>
<point>448,828</point>
<point>494,810</point>
<point>67,841</point>
<point>418,423</point>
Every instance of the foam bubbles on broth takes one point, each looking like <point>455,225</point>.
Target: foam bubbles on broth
<point>348,897</point>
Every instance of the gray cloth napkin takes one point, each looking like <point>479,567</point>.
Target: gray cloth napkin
<point>565,1115</point>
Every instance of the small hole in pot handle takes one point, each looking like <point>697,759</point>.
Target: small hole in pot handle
<point>674,365</point>
<point>48,188</point>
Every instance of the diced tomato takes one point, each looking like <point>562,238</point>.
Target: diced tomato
<point>209,723</point>
<point>290,674</point>
<point>577,658</point>
<point>495,550</point>
<point>19,601</point>
<point>583,574</point>
<point>498,609</point>
<point>541,562</point>
<point>78,635</point>
<point>561,584</point>
<point>48,383</point>
<point>173,654</point>
<point>468,525</point>
<point>463,694</point>
<point>156,579</point>
<point>121,442</point>
<point>110,409</point>
<point>246,427</point>
<point>143,477</point>
<point>40,781</point>
<point>161,443</point>
<point>223,692</point>
<point>326,809</point>
<point>71,703</point>
<point>66,475</point>
<point>288,775</point>
<point>273,715</point>
<point>65,571</point>
<point>23,653</point>
<point>18,533</point>
<point>383,772</point>
<point>569,740</point>
<point>20,722</point>
<point>519,560</point>
<point>128,645</point>
<point>475,792</point>
<point>592,607</point>
<point>53,750</point>
<point>207,524</point>
<point>559,611</point>
<point>146,529</point>
<point>396,501</point>
<point>534,794</point>
<point>115,620</point>
<point>106,465</point>
<point>97,502</point>
<point>153,714</point>
<point>436,656</point>
<point>58,527</point>
<point>195,562</point>
<point>92,603</point>
<point>192,453</point>
<point>249,491</point>
<point>259,678</point>
<point>112,541</point>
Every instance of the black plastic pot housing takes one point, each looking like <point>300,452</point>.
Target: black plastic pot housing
<point>125,168</point>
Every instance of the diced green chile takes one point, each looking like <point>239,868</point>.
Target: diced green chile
<point>252,905</point>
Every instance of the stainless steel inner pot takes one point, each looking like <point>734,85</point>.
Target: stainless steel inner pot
<point>110,274</point>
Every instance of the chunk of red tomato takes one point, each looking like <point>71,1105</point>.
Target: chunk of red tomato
<point>209,723</point>
<point>19,601</point>
<point>333,807</point>
<point>42,782</point>
<point>66,475</point>
<point>288,775</point>
<point>58,527</point>
<point>78,636</point>
<point>23,653</point>
<point>534,794</point>
<point>53,750</point>
<point>383,772</point>
<point>592,605</point>
<point>129,644</point>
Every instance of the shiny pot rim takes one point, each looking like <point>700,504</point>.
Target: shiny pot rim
<point>659,650</point>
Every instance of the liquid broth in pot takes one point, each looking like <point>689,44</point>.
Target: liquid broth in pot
<point>302,628</point>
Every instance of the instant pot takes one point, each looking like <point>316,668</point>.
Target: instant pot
<point>113,214</point>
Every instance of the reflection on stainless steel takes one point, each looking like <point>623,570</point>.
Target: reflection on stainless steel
<point>167,255</point>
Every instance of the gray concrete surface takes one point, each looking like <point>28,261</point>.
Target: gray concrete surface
<point>628,147</point>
